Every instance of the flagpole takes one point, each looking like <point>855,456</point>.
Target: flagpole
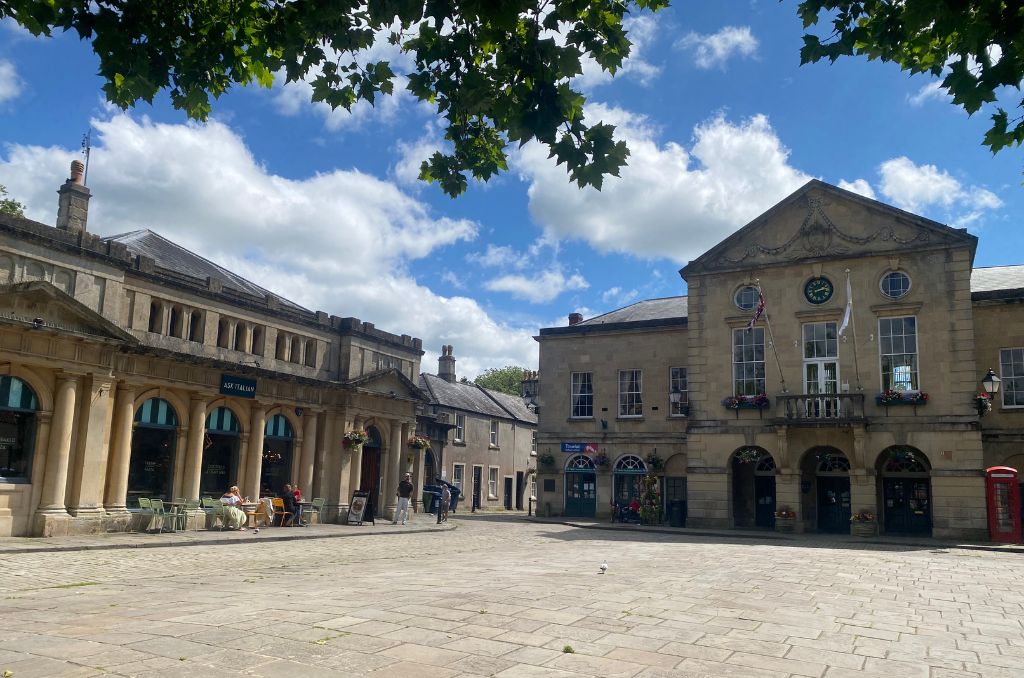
<point>771,338</point>
<point>853,323</point>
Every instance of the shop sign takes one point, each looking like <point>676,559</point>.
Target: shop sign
<point>237,386</point>
<point>579,448</point>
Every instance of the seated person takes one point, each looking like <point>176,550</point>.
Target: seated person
<point>297,494</point>
<point>234,517</point>
<point>634,509</point>
<point>288,498</point>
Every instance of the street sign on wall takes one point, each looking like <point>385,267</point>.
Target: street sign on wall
<point>579,448</point>
<point>239,387</point>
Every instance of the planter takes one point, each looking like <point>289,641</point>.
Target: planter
<point>785,524</point>
<point>863,528</point>
<point>897,403</point>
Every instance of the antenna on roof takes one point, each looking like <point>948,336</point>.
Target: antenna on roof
<point>86,150</point>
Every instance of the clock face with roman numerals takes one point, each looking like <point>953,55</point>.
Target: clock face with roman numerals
<point>818,290</point>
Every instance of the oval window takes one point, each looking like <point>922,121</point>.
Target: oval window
<point>746,298</point>
<point>895,284</point>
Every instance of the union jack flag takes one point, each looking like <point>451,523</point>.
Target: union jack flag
<point>758,312</point>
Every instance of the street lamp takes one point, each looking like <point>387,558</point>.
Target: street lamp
<point>990,383</point>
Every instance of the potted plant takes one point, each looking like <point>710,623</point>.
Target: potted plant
<point>983,402</point>
<point>862,524</point>
<point>785,520</point>
<point>546,459</point>
<point>744,402</point>
<point>354,438</point>
<point>890,397</point>
<point>654,462</point>
<point>419,443</point>
<point>601,461</point>
<point>650,500</point>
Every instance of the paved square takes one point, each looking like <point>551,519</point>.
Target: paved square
<point>499,596</point>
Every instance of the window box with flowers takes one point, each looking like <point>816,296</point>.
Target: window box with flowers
<point>862,524</point>
<point>755,402</point>
<point>890,398</point>
<point>419,443</point>
<point>785,520</point>
<point>354,439</point>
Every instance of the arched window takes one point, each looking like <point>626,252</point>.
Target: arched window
<point>195,327</point>
<point>156,316</point>
<point>296,356</point>
<point>278,426</point>
<point>223,420</point>
<point>241,334</point>
<point>177,322</point>
<point>278,454</point>
<point>832,461</point>
<point>630,464</point>
<point>904,460</point>
<point>151,468</point>
<point>18,405</point>
<point>281,350</point>
<point>34,271</point>
<point>311,353</point>
<point>257,340</point>
<point>223,332</point>
<point>63,281</point>
<point>156,412</point>
<point>579,463</point>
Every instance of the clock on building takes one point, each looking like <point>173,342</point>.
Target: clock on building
<point>818,290</point>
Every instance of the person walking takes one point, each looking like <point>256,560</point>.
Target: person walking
<point>404,494</point>
<point>446,500</point>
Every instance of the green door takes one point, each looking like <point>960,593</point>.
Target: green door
<point>907,505</point>
<point>834,504</point>
<point>581,494</point>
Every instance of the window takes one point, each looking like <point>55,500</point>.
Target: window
<point>748,362</point>
<point>677,383</point>
<point>195,327</point>
<point>533,485</point>
<point>895,284</point>
<point>533,442</point>
<point>241,334</point>
<point>281,348</point>
<point>177,323</point>
<point>382,361</point>
<point>257,340</point>
<point>18,405</point>
<point>296,354</point>
<point>1011,364</point>
<point>492,482</point>
<point>631,402</point>
<point>460,428</point>
<point>223,332</point>
<point>897,338</point>
<point>156,317</point>
<point>311,353</point>
<point>458,473</point>
<point>582,395</point>
<point>746,298</point>
<point>494,432</point>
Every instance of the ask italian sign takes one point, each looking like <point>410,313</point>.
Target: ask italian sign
<point>579,448</point>
<point>240,387</point>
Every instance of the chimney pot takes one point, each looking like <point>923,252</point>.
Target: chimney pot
<point>77,172</point>
<point>575,318</point>
<point>73,201</point>
<point>446,364</point>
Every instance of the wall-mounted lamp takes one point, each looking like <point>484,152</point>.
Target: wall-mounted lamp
<point>990,383</point>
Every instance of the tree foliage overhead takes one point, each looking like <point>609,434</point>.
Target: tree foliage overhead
<point>506,379</point>
<point>10,205</point>
<point>977,44</point>
<point>498,71</point>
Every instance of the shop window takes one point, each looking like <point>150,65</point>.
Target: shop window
<point>18,405</point>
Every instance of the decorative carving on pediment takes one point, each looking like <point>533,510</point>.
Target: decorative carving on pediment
<point>819,236</point>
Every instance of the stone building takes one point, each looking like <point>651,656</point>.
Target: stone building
<point>130,367</point>
<point>482,440</point>
<point>746,414</point>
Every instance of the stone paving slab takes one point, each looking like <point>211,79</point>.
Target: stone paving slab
<point>501,596</point>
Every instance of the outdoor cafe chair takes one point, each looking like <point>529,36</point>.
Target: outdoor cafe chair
<point>215,511</point>
<point>286,516</point>
<point>190,507</point>
<point>162,516</point>
<point>316,507</point>
<point>258,513</point>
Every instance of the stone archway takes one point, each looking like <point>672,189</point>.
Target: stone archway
<point>825,489</point>
<point>753,488</point>
<point>904,485</point>
<point>370,480</point>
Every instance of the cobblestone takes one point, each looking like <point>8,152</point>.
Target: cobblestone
<point>499,596</point>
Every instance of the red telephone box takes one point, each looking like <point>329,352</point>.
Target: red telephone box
<point>1002,496</point>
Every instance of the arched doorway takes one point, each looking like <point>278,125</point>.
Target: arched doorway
<point>580,487</point>
<point>429,472</point>
<point>278,454</point>
<point>827,471</point>
<point>753,488</point>
<point>151,469</point>
<point>220,452</point>
<point>626,476</point>
<point>370,473</point>
<point>904,474</point>
<point>18,405</point>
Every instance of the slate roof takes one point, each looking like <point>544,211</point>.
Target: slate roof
<point>650,309</point>
<point>177,260</point>
<point>475,399</point>
<point>995,278</point>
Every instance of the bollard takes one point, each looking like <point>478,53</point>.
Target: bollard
<point>529,508</point>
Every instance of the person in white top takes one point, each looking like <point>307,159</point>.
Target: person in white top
<point>234,516</point>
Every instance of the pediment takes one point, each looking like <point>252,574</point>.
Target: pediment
<point>41,306</point>
<point>821,221</point>
<point>389,383</point>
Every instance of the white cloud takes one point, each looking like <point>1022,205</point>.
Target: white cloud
<point>669,202</point>
<point>500,256</point>
<point>859,186</point>
<point>916,187</point>
<point>540,288</point>
<point>618,296</point>
<point>642,32</point>
<point>713,50</point>
<point>930,92</point>
<point>10,83</point>
<point>341,241</point>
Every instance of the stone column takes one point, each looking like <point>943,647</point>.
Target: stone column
<point>394,469</point>
<point>305,475</point>
<point>326,456</point>
<point>120,449</point>
<point>196,444</point>
<point>91,464</point>
<point>787,495</point>
<point>257,423</point>
<point>58,452</point>
<point>356,458</point>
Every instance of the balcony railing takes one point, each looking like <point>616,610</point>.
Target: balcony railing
<point>820,408</point>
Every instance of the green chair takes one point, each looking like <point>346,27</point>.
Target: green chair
<point>190,507</point>
<point>162,516</point>
<point>316,507</point>
<point>215,510</point>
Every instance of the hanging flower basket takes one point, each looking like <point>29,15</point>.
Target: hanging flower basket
<point>546,459</point>
<point>354,438</point>
<point>655,462</point>
<point>891,397</point>
<point>601,461</point>
<point>983,402</point>
<point>755,402</point>
<point>748,455</point>
<point>419,443</point>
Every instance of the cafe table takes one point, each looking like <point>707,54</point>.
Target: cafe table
<point>304,506</point>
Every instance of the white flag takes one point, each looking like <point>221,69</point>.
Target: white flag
<point>849,307</point>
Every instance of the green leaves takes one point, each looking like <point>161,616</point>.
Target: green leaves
<point>978,44</point>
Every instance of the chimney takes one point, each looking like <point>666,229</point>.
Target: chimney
<point>575,318</point>
<point>446,364</point>
<point>73,201</point>
<point>529,385</point>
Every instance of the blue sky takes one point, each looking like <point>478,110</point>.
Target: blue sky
<point>323,207</point>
